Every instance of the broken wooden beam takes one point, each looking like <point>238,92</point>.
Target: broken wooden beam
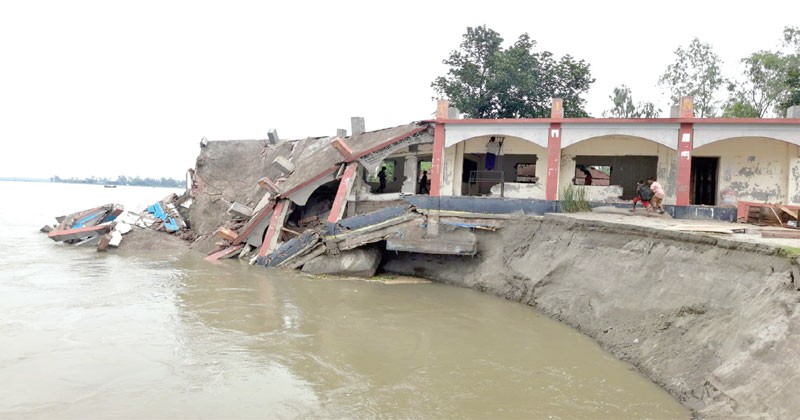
<point>228,252</point>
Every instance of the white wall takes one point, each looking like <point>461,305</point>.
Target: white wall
<point>453,162</point>
<point>667,172</point>
<point>753,169</point>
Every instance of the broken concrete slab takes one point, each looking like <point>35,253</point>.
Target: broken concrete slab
<point>447,242</point>
<point>116,238</point>
<point>362,262</point>
<point>291,249</point>
<point>284,165</point>
<point>240,210</point>
<point>273,137</point>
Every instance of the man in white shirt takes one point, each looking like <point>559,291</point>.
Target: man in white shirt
<point>492,150</point>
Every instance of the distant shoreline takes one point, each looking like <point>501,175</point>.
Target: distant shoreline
<point>12,179</point>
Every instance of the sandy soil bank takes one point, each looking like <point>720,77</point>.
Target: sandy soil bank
<point>712,320</point>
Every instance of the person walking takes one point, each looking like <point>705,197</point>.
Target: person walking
<point>643,194</point>
<point>658,195</point>
<point>423,183</point>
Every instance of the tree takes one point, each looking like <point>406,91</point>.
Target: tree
<point>791,95</point>
<point>625,108</point>
<point>487,81</point>
<point>695,72</point>
<point>763,83</point>
<point>770,82</point>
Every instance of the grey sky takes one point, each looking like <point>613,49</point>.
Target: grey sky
<point>107,88</point>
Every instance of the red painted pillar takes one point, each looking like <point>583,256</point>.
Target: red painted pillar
<point>438,149</point>
<point>345,185</point>
<point>685,148</point>
<point>553,160</point>
<point>274,229</point>
<point>554,150</point>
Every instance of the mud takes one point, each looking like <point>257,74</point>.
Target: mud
<point>711,320</point>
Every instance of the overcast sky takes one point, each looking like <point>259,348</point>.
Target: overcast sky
<point>111,88</point>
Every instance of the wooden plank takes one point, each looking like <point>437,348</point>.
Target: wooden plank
<point>776,215</point>
<point>790,212</point>
<point>710,229</point>
<point>293,232</point>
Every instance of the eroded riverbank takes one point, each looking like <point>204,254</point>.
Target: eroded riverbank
<point>712,321</point>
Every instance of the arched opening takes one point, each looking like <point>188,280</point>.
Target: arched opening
<point>495,165</point>
<point>316,209</point>
<point>759,169</point>
<point>610,166</point>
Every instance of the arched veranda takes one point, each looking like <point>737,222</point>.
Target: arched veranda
<point>614,163</point>
<point>519,164</point>
<point>761,169</point>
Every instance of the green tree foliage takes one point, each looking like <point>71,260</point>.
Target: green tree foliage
<point>486,80</point>
<point>625,108</point>
<point>761,86</point>
<point>770,82</point>
<point>696,72</point>
<point>791,95</point>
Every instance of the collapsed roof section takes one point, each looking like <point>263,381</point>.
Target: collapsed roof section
<point>318,161</point>
<point>263,175</point>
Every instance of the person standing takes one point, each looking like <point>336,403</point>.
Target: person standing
<point>423,183</point>
<point>382,180</point>
<point>643,194</point>
<point>492,150</point>
<point>658,195</point>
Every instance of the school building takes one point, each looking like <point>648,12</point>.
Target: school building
<point>699,161</point>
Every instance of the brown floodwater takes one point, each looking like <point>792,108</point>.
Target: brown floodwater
<point>160,334</point>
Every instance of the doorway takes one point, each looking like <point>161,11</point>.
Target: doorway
<point>704,180</point>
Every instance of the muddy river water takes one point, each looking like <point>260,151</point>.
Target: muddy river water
<point>167,335</point>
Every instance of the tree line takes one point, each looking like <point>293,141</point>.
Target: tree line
<point>487,80</point>
<point>124,180</point>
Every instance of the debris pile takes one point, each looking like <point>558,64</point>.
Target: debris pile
<point>105,226</point>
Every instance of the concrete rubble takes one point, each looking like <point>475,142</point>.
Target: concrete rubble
<point>104,227</point>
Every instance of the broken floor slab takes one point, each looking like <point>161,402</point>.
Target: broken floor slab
<point>361,262</point>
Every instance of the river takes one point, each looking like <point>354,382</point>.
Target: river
<point>168,335</point>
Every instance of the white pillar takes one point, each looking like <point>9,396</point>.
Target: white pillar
<point>458,169</point>
<point>793,174</point>
<point>410,172</point>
